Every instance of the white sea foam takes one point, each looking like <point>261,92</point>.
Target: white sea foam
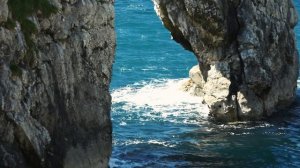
<point>115,163</point>
<point>141,141</point>
<point>161,96</point>
<point>124,69</point>
<point>165,144</point>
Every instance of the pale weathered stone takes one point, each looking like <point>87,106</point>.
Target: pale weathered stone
<point>3,11</point>
<point>55,111</point>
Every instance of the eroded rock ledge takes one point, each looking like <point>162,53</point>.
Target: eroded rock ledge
<point>246,51</point>
<point>54,100</point>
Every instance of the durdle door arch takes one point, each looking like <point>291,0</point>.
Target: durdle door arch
<point>248,61</point>
<point>56,66</point>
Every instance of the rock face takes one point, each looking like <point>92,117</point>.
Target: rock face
<point>246,52</point>
<point>55,110</point>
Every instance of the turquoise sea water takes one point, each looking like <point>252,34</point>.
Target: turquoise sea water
<point>157,125</point>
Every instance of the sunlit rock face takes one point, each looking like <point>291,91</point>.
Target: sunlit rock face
<point>246,52</point>
<point>55,101</point>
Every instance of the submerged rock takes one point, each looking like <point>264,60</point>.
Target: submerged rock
<point>246,52</point>
<point>54,85</point>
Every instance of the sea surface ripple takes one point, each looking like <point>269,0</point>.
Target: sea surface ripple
<point>156,125</point>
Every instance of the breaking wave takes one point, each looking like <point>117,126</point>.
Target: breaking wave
<point>159,98</point>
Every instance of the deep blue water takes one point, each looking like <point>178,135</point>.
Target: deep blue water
<point>157,125</point>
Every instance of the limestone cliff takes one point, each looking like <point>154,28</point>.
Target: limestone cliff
<point>246,52</point>
<point>55,71</point>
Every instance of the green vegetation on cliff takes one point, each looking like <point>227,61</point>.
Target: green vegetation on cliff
<point>21,10</point>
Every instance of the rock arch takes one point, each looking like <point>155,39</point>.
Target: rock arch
<point>246,51</point>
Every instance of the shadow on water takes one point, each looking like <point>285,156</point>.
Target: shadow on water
<point>271,143</point>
